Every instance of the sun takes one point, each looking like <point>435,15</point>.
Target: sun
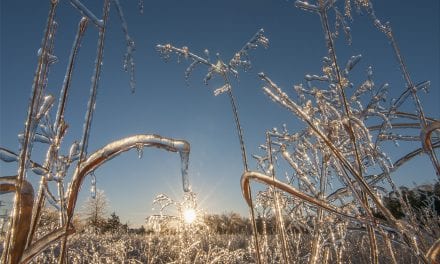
<point>189,215</point>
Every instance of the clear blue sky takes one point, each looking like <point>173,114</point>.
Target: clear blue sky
<point>163,103</point>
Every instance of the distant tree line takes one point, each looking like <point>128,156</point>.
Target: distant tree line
<point>418,201</point>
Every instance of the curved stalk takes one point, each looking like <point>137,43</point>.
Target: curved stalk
<point>99,158</point>
<point>115,148</point>
<point>433,254</point>
<point>17,246</point>
<point>262,178</point>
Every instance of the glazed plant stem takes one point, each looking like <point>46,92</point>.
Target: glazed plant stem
<point>29,131</point>
<point>52,153</point>
<point>91,104</point>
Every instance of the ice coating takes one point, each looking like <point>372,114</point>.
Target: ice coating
<point>95,82</point>
<point>240,58</point>
<point>69,72</point>
<point>276,197</point>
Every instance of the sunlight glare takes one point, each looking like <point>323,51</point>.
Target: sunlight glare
<point>189,215</point>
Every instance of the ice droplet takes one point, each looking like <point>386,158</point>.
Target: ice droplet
<point>46,130</point>
<point>39,170</point>
<point>351,63</point>
<point>8,156</point>
<point>45,105</point>
<point>74,151</point>
<point>42,138</point>
<point>20,138</point>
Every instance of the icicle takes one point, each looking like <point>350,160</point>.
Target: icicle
<point>93,185</point>
<point>128,64</point>
<point>184,159</point>
<point>141,6</point>
<point>190,68</point>
<point>140,150</point>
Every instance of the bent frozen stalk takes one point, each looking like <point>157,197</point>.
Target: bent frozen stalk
<point>97,159</point>
<point>262,178</point>
<point>9,184</point>
<point>114,149</point>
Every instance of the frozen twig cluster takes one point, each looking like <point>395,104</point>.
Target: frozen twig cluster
<point>337,162</point>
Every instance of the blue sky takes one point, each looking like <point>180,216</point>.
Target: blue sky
<point>164,104</point>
